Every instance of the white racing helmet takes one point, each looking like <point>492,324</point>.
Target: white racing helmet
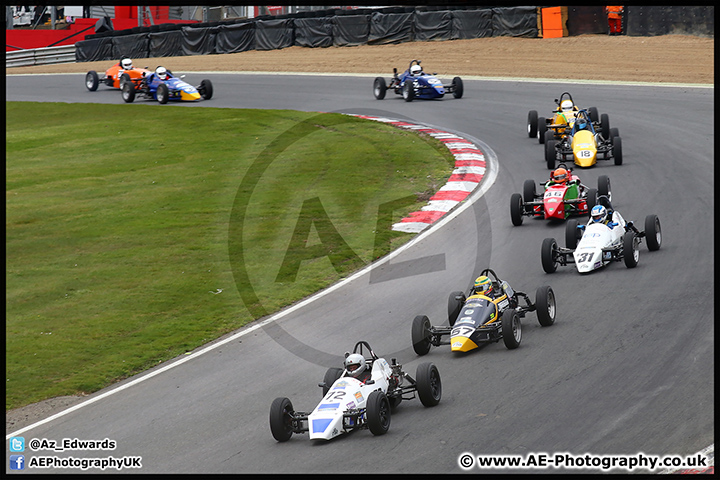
<point>598,213</point>
<point>566,105</point>
<point>161,72</point>
<point>126,64</point>
<point>355,364</point>
<point>415,70</point>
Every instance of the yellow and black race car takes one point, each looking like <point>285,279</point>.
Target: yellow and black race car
<point>480,318</point>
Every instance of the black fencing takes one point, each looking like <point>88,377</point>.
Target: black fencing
<point>390,25</point>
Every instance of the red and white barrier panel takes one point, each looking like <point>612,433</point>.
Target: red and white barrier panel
<point>469,171</point>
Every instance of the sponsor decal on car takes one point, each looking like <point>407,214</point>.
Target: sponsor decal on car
<point>328,406</point>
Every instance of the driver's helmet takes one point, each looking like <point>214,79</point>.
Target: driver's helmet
<point>355,364</point>
<point>598,214</point>
<point>161,72</point>
<point>483,285</point>
<point>415,70</point>
<point>581,123</point>
<point>566,106</point>
<point>560,175</point>
<point>126,64</point>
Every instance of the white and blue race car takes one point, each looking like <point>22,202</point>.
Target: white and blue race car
<point>601,243</point>
<point>351,404</point>
<point>415,83</point>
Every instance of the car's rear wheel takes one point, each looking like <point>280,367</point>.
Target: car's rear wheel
<point>511,329</point>
<point>605,125</point>
<point>458,88</point>
<point>653,232</point>
<point>378,413</point>
<point>571,233</point>
<point>281,412</point>
<point>604,186</point>
<point>541,129</point>
<point>548,255</point>
<point>421,334</point>
<point>617,150</point>
<point>162,93</point>
<point>91,80</point>
<point>614,132</point>
<point>545,305</point>
<point>550,154</point>
<point>379,88</point>
<point>631,250</point>
<point>591,199</point>
<point>429,385</point>
<point>128,92</point>
<point>532,123</point>
<point>516,209</point>
<point>332,374</point>
<point>593,112</point>
<point>408,93</point>
<point>456,300</point>
<point>206,89</point>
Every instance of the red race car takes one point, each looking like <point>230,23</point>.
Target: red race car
<point>563,195</point>
<point>117,75</point>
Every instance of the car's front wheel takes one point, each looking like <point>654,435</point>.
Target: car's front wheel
<point>631,250</point>
<point>653,233</point>
<point>162,93</point>
<point>511,329</point>
<point>378,413</point>
<point>408,92</point>
<point>429,385</point>
<point>128,92</point>
<point>379,88</point>
<point>91,80</point>
<point>281,412</point>
<point>545,305</point>
<point>206,89</point>
<point>458,88</point>
<point>548,255</point>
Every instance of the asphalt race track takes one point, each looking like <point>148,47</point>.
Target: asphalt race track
<point>627,368</point>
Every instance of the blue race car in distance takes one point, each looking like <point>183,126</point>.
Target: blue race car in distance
<point>163,86</point>
<point>415,83</point>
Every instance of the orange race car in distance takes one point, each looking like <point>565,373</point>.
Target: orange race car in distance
<point>117,75</point>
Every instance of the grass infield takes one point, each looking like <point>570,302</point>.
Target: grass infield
<point>119,222</point>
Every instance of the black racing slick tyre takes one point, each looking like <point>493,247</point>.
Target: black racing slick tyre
<point>604,186</point>
<point>281,412</point>
<point>91,80</point>
<point>532,123</point>
<point>630,249</point>
<point>379,88</point>
<point>331,375</point>
<point>516,209</point>
<point>408,92</point>
<point>548,255</point>
<point>378,413</point>
<point>545,305</point>
<point>550,154</point>
<point>162,93</point>
<point>456,300</point>
<point>429,385</point>
<point>653,233</point>
<point>593,112</point>
<point>128,92</point>
<point>617,150</point>
<point>206,89</point>
<point>571,233</point>
<point>605,125</point>
<point>124,78</point>
<point>529,191</point>
<point>511,329</point>
<point>458,88</point>
<point>591,199</point>
<point>421,334</point>
<point>541,129</point>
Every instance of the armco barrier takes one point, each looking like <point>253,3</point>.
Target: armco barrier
<point>40,56</point>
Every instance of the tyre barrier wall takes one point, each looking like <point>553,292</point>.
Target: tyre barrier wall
<point>321,29</point>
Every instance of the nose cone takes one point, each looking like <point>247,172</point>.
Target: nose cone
<point>461,344</point>
<point>189,96</point>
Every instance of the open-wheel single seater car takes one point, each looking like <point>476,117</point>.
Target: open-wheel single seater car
<point>474,319</point>
<point>562,120</point>
<point>558,200</point>
<point>415,83</point>
<point>584,144</point>
<point>170,88</point>
<point>116,76</point>
<point>611,239</point>
<point>351,404</point>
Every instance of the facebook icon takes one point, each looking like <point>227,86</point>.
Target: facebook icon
<point>17,462</point>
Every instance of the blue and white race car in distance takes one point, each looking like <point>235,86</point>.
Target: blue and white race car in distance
<point>415,83</point>
<point>351,404</point>
<point>171,88</point>
<point>600,243</point>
